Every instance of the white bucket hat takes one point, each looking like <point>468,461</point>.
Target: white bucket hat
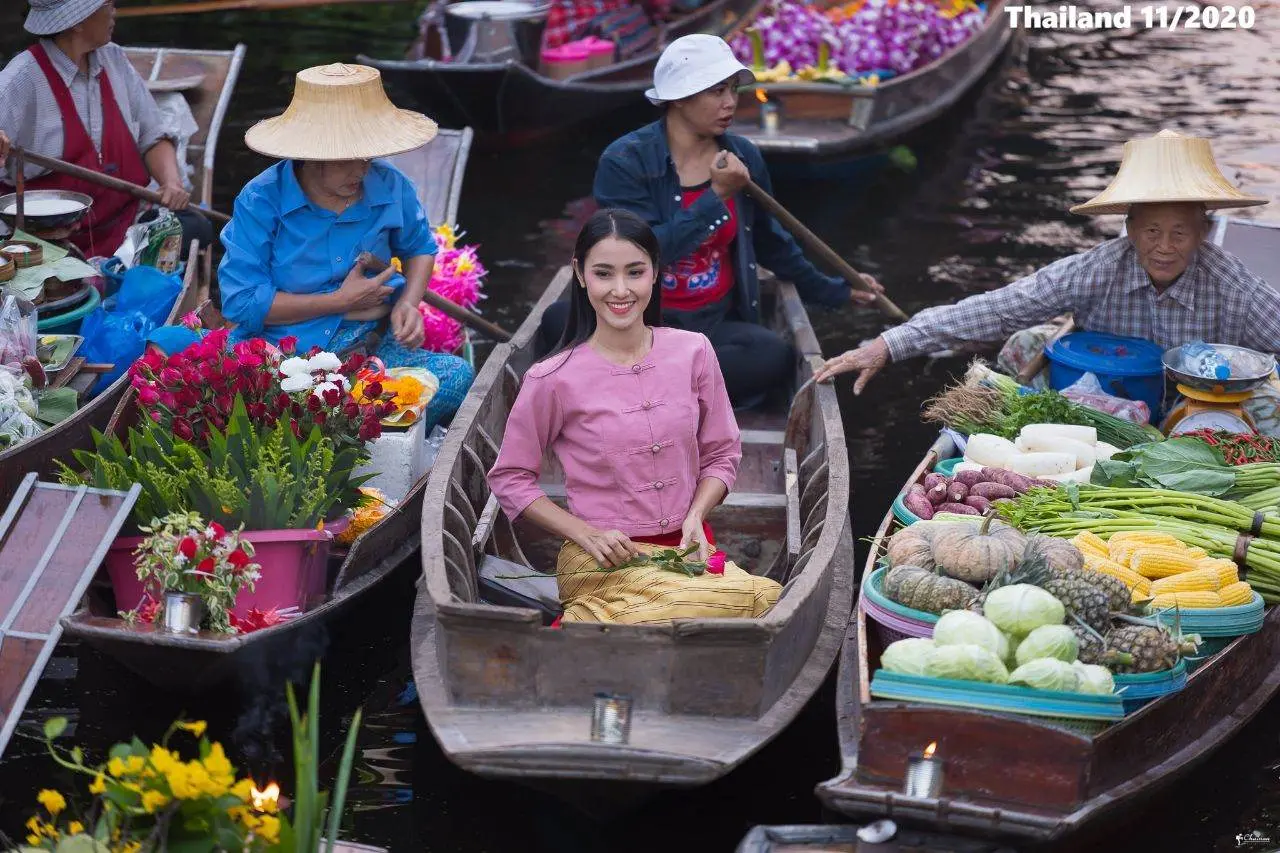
<point>693,64</point>
<point>50,17</point>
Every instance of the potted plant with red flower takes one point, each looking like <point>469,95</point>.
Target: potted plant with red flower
<point>198,567</point>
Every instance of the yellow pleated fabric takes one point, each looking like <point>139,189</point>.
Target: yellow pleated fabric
<point>646,594</point>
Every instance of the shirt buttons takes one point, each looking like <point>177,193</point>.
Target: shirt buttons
<point>677,198</point>
<point>665,522</point>
<point>635,368</point>
<point>647,404</point>
<point>658,485</point>
<point>656,448</point>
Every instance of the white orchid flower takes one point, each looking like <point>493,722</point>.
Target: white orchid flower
<point>295,367</point>
<point>325,361</point>
<point>296,383</point>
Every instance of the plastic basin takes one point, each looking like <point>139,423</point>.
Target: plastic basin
<point>1131,368</point>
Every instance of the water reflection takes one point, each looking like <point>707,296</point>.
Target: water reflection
<point>987,203</point>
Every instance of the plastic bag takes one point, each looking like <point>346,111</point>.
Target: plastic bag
<point>154,242</point>
<point>17,330</point>
<point>1087,391</point>
<point>116,332</point>
<point>17,410</point>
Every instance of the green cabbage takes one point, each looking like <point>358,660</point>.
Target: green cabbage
<point>1094,678</point>
<point>966,663</point>
<point>961,627</point>
<point>907,656</point>
<point>1021,608</point>
<point>1049,641</point>
<point>1047,674</point>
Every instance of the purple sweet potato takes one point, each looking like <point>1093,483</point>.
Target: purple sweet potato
<point>917,504</point>
<point>991,491</point>
<point>937,494</point>
<point>978,502</point>
<point>957,492</point>
<point>969,478</point>
<point>932,480</point>
<point>1018,482</point>
<point>962,509</point>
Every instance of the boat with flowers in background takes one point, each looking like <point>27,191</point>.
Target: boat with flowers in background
<point>205,79</point>
<point>846,80</point>
<point>309,575</point>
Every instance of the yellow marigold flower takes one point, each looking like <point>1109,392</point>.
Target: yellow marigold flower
<point>98,785</point>
<point>134,764</point>
<point>115,767</point>
<point>196,728</point>
<point>163,760</point>
<point>243,789</point>
<point>75,827</point>
<point>269,828</point>
<point>217,764</point>
<point>51,800</point>
<point>180,784</point>
<point>34,840</point>
<point>153,800</point>
<point>33,823</point>
<point>131,847</point>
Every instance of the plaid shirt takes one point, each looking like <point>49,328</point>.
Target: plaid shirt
<point>1216,299</point>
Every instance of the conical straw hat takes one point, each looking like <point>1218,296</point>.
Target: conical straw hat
<point>340,112</point>
<point>1167,167</point>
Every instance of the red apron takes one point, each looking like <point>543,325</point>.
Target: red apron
<point>103,230</point>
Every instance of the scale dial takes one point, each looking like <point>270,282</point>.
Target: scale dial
<point>1214,420</point>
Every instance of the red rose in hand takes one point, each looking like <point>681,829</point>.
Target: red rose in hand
<point>715,563</point>
<point>187,547</point>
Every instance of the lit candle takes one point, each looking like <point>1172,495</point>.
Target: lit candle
<point>768,112</point>
<point>611,718</point>
<point>924,774</point>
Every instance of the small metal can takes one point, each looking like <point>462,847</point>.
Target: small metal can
<point>611,718</point>
<point>183,612</point>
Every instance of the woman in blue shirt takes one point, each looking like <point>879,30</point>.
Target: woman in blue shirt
<point>295,245</point>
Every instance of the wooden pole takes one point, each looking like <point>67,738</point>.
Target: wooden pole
<point>445,305</point>
<point>230,6</point>
<point>796,227</point>
<point>1037,364</point>
<point>56,165</point>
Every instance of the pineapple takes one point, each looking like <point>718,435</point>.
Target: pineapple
<point>1093,647</point>
<point>1153,647</point>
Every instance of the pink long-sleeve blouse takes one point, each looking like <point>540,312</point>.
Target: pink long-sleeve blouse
<point>633,441</point>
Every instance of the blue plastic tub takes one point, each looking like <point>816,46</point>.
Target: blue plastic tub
<point>1131,368</point>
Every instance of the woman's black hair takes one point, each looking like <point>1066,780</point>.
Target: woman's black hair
<point>610,222</point>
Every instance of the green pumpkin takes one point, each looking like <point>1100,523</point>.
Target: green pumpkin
<point>977,553</point>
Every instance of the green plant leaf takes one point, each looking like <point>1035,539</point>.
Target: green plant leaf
<point>54,727</point>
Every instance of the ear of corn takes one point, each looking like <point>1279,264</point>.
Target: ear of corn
<point>1160,562</point>
<point>1197,580</point>
<point>1131,579</point>
<point>1146,537</point>
<point>1187,600</point>
<point>1236,593</point>
<point>1089,542</point>
<point>1228,572</point>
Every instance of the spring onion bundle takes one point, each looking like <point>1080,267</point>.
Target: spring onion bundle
<point>990,402</point>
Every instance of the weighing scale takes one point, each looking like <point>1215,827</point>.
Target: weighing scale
<point>1214,403</point>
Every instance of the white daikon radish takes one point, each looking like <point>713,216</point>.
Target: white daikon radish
<point>1042,464</point>
<point>1103,451</point>
<point>967,466</point>
<point>989,450</point>
<point>1021,445</point>
<point>1031,434</point>
<point>1081,476</point>
<point>1083,452</point>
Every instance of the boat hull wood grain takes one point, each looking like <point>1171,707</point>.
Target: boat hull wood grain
<point>1011,777</point>
<point>203,662</point>
<point>208,102</point>
<point>508,697</point>
<point>825,120</point>
<point>843,838</point>
<point>509,103</point>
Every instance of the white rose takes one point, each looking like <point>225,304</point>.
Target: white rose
<point>295,367</point>
<point>339,380</point>
<point>296,383</point>
<point>325,361</point>
<point>322,389</point>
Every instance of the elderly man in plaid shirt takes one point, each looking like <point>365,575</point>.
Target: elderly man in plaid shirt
<point>1162,281</point>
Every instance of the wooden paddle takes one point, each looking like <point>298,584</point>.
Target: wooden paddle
<point>229,6</point>
<point>55,165</point>
<point>445,305</point>
<point>796,227</point>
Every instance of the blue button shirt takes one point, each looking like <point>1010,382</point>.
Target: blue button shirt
<point>278,241</point>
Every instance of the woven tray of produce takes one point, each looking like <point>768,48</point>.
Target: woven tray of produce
<point>1218,621</point>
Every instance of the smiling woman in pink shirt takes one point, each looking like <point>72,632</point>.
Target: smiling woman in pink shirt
<point>640,421</point>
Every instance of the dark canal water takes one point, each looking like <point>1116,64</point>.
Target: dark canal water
<point>986,204</point>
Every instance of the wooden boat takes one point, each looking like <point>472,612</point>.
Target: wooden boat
<point>508,697</point>
<point>209,97</point>
<point>202,662</point>
<point>844,838</point>
<point>1013,777</point>
<point>513,102</point>
<point>827,120</point>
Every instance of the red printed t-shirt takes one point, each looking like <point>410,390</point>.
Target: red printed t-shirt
<point>705,276</point>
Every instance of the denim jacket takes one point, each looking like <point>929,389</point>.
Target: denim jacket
<point>636,173</point>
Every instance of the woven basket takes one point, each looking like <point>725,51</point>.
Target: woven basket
<point>1140,688</point>
<point>892,621</point>
<point>1080,712</point>
<point>906,516</point>
<point>1231,621</point>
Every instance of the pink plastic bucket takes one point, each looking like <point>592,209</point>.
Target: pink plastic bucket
<point>294,570</point>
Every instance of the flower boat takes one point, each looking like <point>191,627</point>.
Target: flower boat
<point>1020,773</point>
<point>832,116</point>
<point>508,696</point>
<point>208,99</point>
<point>365,549</point>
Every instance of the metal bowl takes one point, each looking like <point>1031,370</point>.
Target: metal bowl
<point>41,222</point>
<point>1249,369</point>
